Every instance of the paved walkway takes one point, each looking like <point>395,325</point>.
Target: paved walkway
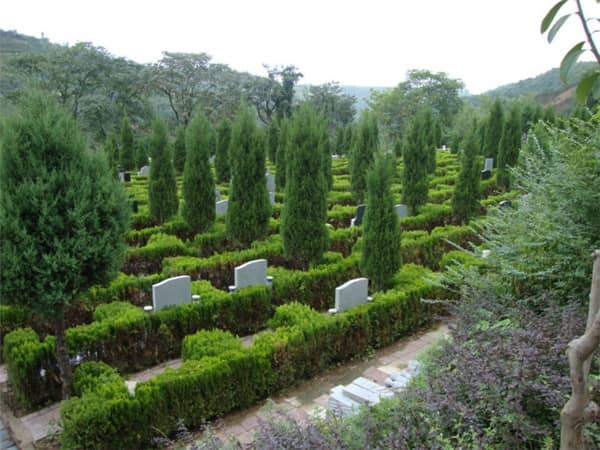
<point>301,402</point>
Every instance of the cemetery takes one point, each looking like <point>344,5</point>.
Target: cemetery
<point>202,282</point>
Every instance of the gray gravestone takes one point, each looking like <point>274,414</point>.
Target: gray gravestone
<point>360,212</point>
<point>270,182</point>
<point>488,164</point>
<point>401,210</point>
<point>217,195</point>
<point>271,198</point>
<point>172,291</point>
<point>144,171</point>
<point>252,273</point>
<point>486,174</point>
<point>221,207</point>
<point>351,293</point>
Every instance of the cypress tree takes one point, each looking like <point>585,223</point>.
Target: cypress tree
<point>222,166</point>
<point>348,137</point>
<point>493,131</point>
<point>141,153</point>
<point>248,209</point>
<point>280,175</point>
<point>272,140</point>
<point>364,145</point>
<point>111,149</point>
<point>380,257</point>
<point>465,201</point>
<point>198,208</point>
<point>339,140</point>
<point>510,145</point>
<point>179,151</point>
<point>212,143</point>
<point>127,156</point>
<point>63,217</point>
<point>304,213</point>
<point>414,177</point>
<point>162,187</point>
<point>427,137</point>
<point>325,146</point>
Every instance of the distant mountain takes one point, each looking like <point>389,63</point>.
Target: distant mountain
<point>13,43</point>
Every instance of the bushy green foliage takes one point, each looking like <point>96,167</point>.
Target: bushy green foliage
<point>162,187</point>
<point>325,148</point>
<point>141,153</point>
<point>248,210</point>
<point>365,143</point>
<point>304,212</point>
<point>222,160</point>
<point>415,157</point>
<point>465,201</point>
<point>198,208</point>
<point>380,256</point>
<point>209,343</point>
<point>493,131</point>
<point>179,149</point>
<point>510,144</point>
<point>91,374</point>
<point>127,147</point>
<point>111,150</point>
<point>281,156</point>
<point>273,140</point>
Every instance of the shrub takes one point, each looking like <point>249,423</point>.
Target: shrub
<point>209,343</point>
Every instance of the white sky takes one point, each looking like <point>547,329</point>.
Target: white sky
<point>486,43</point>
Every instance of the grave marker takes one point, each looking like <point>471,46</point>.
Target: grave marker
<point>221,207</point>
<point>144,171</point>
<point>252,273</point>
<point>172,291</point>
<point>360,212</point>
<point>352,293</point>
<point>401,210</point>
<point>488,164</point>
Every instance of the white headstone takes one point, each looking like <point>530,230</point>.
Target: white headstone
<point>401,210</point>
<point>351,293</point>
<point>488,164</point>
<point>144,171</point>
<point>252,273</point>
<point>217,195</point>
<point>270,182</point>
<point>271,198</point>
<point>221,207</point>
<point>172,291</point>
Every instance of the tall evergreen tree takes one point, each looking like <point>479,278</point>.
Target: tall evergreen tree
<point>198,208</point>
<point>63,217</point>
<point>493,131</point>
<point>339,140</point>
<point>272,139</point>
<point>304,213</point>
<point>348,137</point>
<point>280,175</point>
<point>325,149</point>
<point>510,144</point>
<point>427,137</point>
<point>127,150</point>
<point>213,142</point>
<point>248,209</point>
<point>141,153</point>
<point>162,187</point>
<point>111,149</point>
<point>222,165</point>
<point>179,150</point>
<point>380,257</point>
<point>414,177</point>
<point>364,145</point>
<point>465,201</point>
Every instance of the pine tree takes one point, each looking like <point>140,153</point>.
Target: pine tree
<point>280,175</point>
<point>510,145</point>
<point>348,137</point>
<point>427,137</point>
<point>63,217</point>
<point>198,208</point>
<point>339,140</point>
<point>248,209</point>
<point>162,187</point>
<point>111,149</point>
<point>222,166</point>
<point>127,156</point>
<point>493,131</point>
<point>380,257</point>
<point>364,145</point>
<point>272,140</point>
<point>465,201</point>
<point>325,146</point>
<point>179,150</point>
<point>304,213</point>
<point>414,177</point>
<point>141,153</point>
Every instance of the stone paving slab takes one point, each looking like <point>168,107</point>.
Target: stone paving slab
<point>40,423</point>
<point>3,374</point>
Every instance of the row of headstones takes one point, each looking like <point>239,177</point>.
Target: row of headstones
<point>401,210</point>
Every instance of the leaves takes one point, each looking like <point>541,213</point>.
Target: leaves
<point>557,26</point>
<point>549,18</point>
<point>586,85</point>
<point>570,58</point>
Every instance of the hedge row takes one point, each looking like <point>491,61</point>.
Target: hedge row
<point>108,417</point>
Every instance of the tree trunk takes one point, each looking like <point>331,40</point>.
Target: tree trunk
<point>62,355</point>
<point>579,409</point>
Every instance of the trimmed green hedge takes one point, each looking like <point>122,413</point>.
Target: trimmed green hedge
<point>430,216</point>
<point>209,343</point>
<point>11,318</point>
<point>148,259</point>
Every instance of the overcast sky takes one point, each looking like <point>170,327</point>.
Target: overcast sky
<point>486,43</point>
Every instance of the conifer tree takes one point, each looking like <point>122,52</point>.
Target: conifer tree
<point>348,137</point>
<point>63,217</point>
<point>212,142</point>
<point>111,149</point>
<point>414,177</point>
<point>304,213</point>
<point>427,137</point>
<point>162,187</point>
<point>222,165</point>
<point>380,257</point>
<point>249,208</point>
<point>127,154</point>
<point>493,131</point>
<point>465,201</point>
<point>280,175</point>
<point>510,145</point>
<point>364,145</point>
<point>325,146</point>
<point>339,140</point>
<point>179,150</point>
<point>141,153</point>
<point>272,140</point>
<point>198,208</point>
